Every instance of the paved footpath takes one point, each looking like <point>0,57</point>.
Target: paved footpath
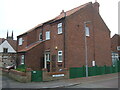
<point>9,83</point>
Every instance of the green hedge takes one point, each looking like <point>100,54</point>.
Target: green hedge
<point>21,68</point>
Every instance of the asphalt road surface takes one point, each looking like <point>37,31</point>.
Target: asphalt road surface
<point>112,82</point>
<point>108,83</point>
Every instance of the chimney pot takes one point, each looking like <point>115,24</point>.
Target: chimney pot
<point>62,12</point>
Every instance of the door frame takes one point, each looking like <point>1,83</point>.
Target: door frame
<point>46,56</point>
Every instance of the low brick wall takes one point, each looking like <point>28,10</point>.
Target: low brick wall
<point>17,75</point>
<point>50,76</point>
<point>20,76</point>
<point>5,72</point>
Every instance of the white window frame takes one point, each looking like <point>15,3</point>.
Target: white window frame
<point>59,56</point>
<point>22,59</point>
<point>40,37</point>
<point>87,31</point>
<point>93,63</point>
<point>118,48</point>
<point>5,50</point>
<point>20,41</point>
<point>59,28</point>
<point>47,35</point>
<point>47,57</point>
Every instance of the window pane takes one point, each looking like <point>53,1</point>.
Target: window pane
<point>59,28</point>
<point>40,37</point>
<point>59,56</point>
<point>87,31</point>
<point>5,50</point>
<point>22,59</point>
<point>20,41</point>
<point>47,35</point>
<point>60,52</point>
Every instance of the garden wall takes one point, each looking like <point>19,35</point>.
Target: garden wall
<point>50,76</point>
<point>17,75</point>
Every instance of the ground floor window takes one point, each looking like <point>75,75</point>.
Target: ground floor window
<point>115,58</point>
<point>47,56</point>
<point>59,56</point>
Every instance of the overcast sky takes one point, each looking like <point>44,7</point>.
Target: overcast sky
<point>22,15</point>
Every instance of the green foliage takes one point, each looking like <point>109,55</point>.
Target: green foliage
<point>21,68</point>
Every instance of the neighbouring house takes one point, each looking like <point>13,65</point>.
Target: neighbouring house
<point>8,52</point>
<point>115,47</point>
<point>62,42</point>
<point>1,40</point>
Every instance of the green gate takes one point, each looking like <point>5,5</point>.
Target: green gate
<point>36,76</point>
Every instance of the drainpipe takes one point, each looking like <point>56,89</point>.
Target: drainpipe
<point>64,36</point>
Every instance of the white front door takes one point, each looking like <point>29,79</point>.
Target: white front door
<point>47,60</point>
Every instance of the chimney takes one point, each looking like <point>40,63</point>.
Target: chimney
<point>12,35</point>
<point>96,5</point>
<point>7,35</point>
<point>64,13</point>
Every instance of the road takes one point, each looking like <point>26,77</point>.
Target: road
<point>104,81</point>
<point>108,83</point>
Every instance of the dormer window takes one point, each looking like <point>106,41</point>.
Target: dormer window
<point>5,50</point>
<point>59,28</point>
<point>40,37</point>
<point>20,41</point>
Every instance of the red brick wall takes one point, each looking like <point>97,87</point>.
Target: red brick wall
<point>34,57</point>
<point>57,41</point>
<point>114,43</point>
<point>98,43</point>
<point>20,47</point>
<point>31,37</point>
<point>38,30</point>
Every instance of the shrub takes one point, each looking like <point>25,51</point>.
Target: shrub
<point>21,68</point>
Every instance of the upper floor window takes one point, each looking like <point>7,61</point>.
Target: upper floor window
<point>47,35</point>
<point>59,56</point>
<point>59,28</point>
<point>40,37</point>
<point>87,31</point>
<point>20,41</point>
<point>5,50</point>
<point>118,48</point>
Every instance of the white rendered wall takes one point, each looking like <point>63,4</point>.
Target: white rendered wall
<point>5,44</point>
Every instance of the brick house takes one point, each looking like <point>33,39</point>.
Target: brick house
<point>115,47</point>
<point>60,43</point>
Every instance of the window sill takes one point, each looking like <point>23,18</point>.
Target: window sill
<point>60,33</point>
<point>47,39</point>
<point>59,61</point>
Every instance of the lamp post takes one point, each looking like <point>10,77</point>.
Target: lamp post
<point>86,54</point>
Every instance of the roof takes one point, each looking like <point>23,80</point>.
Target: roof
<point>30,46</point>
<point>13,43</point>
<point>62,15</point>
<point>1,40</point>
<point>116,35</point>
